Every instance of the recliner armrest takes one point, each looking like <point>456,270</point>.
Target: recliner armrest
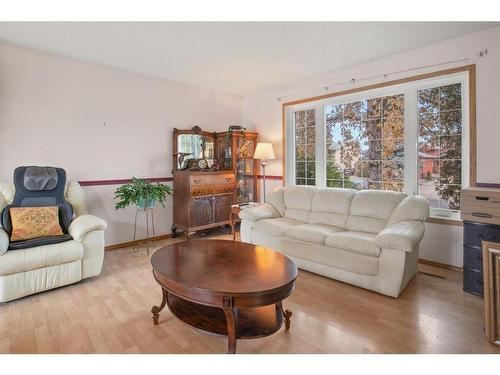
<point>404,236</point>
<point>259,212</point>
<point>4,241</point>
<point>84,224</point>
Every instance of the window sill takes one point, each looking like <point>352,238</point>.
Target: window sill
<point>444,221</point>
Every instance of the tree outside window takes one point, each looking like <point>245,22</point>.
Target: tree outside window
<point>365,144</point>
<point>440,145</point>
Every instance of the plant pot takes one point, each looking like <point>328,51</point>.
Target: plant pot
<point>146,203</point>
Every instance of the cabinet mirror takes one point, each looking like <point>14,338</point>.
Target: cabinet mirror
<point>193,145</point>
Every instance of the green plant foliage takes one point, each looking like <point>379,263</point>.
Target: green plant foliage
<point>129,194</point>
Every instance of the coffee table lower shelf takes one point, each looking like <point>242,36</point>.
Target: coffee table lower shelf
<point>251,323</point>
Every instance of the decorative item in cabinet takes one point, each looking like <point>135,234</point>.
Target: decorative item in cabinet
<point>235,149</point>
<point>480,210</point>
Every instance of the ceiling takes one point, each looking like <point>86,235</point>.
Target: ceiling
<point>234,57</point>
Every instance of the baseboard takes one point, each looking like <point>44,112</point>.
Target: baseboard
<point>440,265</point>
<point>136,242</point>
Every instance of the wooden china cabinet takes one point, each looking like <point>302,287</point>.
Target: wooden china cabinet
<point>211,172</point>
<point>235,152</point>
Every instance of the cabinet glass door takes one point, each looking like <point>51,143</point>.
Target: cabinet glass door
<point>225,156</point>
<point>245,170</point>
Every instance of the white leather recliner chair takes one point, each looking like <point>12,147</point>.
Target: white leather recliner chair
<point>40,268</point>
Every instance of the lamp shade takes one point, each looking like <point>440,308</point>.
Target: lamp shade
<point>264,151</point>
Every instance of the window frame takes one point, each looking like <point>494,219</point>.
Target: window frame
<point>409,87</point>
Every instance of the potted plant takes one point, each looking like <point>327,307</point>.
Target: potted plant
<point>142,193</point>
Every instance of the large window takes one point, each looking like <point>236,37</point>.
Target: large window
<point>305,148</point>
<point>410,137</point>
<point>365,144</point>
<point>440,145</point>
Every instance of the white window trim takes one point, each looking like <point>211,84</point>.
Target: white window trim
<point>409,89</point>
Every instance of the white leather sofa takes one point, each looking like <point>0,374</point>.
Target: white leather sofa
<point>33,270</point>
<point>366,238</point>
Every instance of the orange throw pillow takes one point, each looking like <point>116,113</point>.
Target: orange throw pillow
<point>34,222</point>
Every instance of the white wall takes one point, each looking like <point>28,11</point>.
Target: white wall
<point>99,123</point>
<point>442,243</point>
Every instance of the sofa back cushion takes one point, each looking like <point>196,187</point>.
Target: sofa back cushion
<point>331,206</point>
<point>277,199</point>
<point>298,202</point>
<point>7,191</point>
<point>75,196</point>
<point>413,207</point>
<point>370,209</point>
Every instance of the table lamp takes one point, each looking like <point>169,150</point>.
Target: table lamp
<point>264,152</point>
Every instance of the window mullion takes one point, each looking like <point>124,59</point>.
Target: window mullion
<point>411,142</point>
<point>320,147</point>
<point>290,151</point>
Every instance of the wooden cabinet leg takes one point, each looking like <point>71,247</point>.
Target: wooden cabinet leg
<point>231,320</point>
<point>157,309</point>
<point>232,227</point>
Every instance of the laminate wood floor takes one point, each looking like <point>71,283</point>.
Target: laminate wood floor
<point>111,314</point>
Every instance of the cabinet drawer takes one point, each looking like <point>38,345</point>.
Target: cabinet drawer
<point>197,191</point>
<point>473,258</point>
<point>211,179</point>
<point>473,282</point>
<point>475,234</point>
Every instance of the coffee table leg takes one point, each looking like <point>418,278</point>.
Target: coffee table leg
<point>156,309</point>
<point>287,314</point>
<point>231,329</point>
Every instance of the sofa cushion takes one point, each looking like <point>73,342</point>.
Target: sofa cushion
<point>315,233</point>
<point>413,207</point>
<point>4,241</point>
<point>7,191</point>
<point>276,226</point>
<point>15,261</point>
<point>75,196</point>
<point>298,201</point>
<point>357,242</point>
<point>276,198</point>
<point>331,206</point>
<point>370,209</point>
<point>332,257</point>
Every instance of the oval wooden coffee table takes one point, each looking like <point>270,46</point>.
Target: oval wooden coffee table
<point>225,287</point>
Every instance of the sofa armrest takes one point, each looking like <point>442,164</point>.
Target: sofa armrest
<point>4,241</point>
<point>404,236</point>
<point>259,212</point>
<point>84,224</point>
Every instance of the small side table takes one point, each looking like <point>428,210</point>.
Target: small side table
<point>235,211</point>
